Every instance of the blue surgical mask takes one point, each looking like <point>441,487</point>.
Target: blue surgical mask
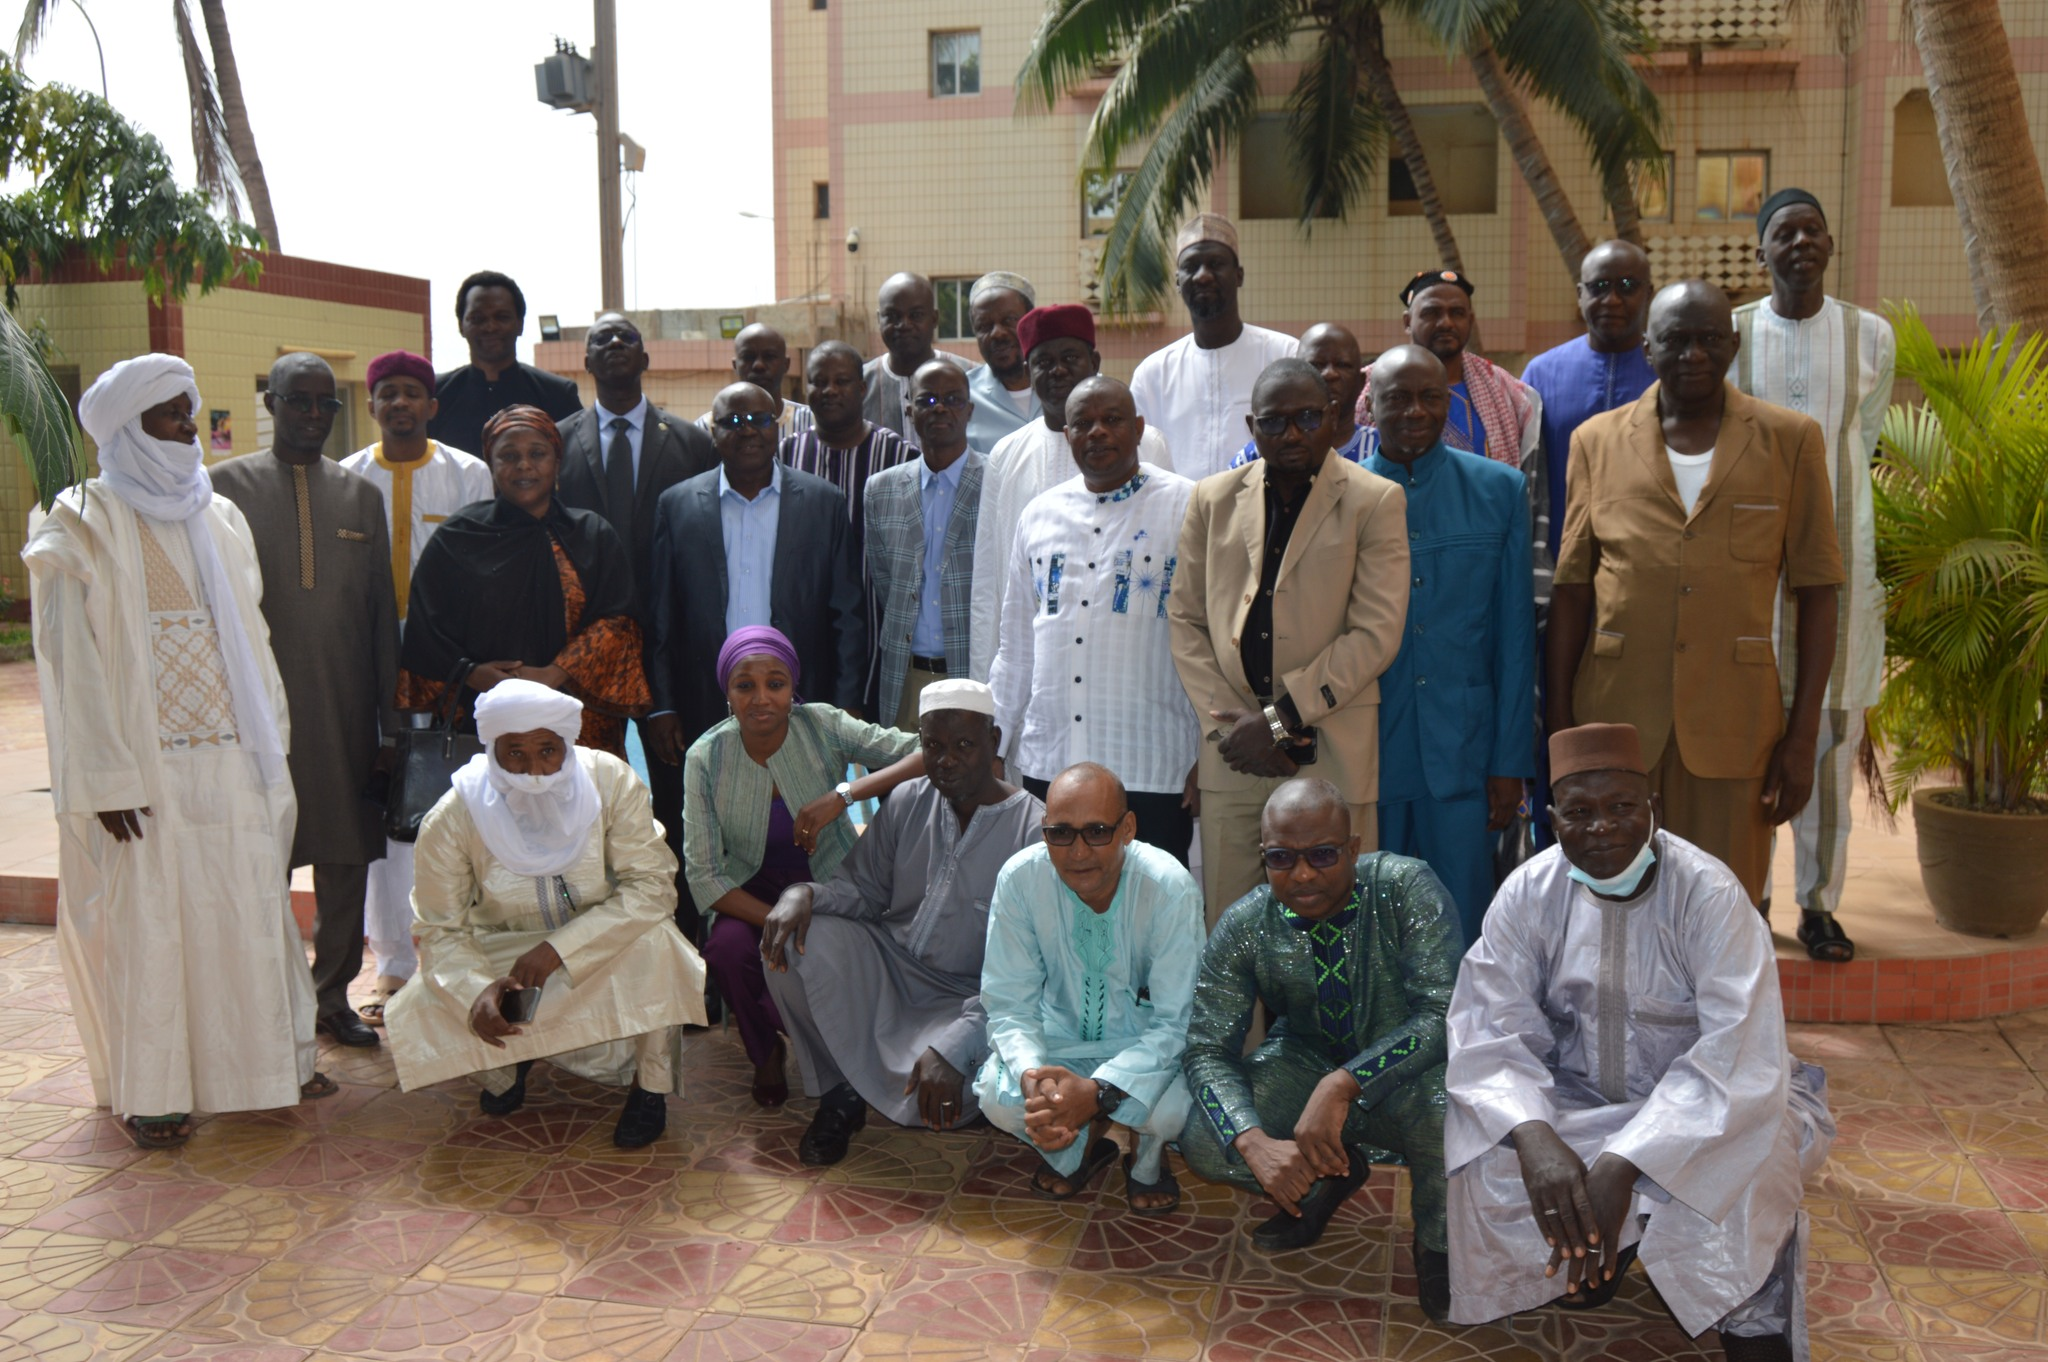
<point>1623,885</point>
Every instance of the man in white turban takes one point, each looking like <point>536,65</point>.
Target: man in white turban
<point>544,897</point>
<point>167,735</point>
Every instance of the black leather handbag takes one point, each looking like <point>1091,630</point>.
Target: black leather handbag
<point>427,761</point>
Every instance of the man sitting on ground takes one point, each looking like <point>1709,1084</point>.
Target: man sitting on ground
<point>886,1012</point>
<point>1093,940</point>
<point>1618,1077</point>
<point>1353,957</point>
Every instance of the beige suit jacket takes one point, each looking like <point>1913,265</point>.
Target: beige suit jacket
<point>1682,604</point>
<point>1339,604</point>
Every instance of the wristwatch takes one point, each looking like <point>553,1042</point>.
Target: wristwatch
<point>844,789</point>
<point>1108,1097</point>
<point>1278,725</point>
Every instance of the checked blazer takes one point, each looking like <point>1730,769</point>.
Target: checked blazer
<point>895,549</point>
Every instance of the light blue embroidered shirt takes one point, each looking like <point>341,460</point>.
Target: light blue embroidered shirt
<point>749,528</point>
<point>928,635</point>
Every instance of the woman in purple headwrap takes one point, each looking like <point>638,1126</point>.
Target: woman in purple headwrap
<point>764,807</point>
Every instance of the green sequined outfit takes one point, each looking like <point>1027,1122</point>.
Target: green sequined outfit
<point>1364,991</point>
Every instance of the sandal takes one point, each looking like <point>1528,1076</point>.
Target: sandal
<point>372,1010</point>
<point>318,1086</point>
<point>1824,938</point>
<point>1100,1155</point>
<point>157,1132</point>
<point>1167,1184</point>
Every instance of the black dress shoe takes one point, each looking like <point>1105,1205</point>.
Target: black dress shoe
<point>1433,1283</point>
<point>831,1130</point>
<point>512,1099</point>
<point>1284,1233</point>
<point>644,1118</point>
<point>1768,1348</point>
<point>346,1028</point>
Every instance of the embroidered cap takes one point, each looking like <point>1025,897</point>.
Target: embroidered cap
<point>1430,279</point>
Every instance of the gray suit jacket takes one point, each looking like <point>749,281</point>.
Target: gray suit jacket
<point>671,450</point>
<point>816,598</point>
<point>895,547</point>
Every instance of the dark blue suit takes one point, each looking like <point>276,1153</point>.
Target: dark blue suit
<point>1458,703</point>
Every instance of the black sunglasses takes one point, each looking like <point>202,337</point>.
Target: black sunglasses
<point>733,420</point>
<point>950,401</point>
<point>1095,834</point>
<point>1628,286</point>
<point>1318,858</point>
<point>306,403</point>
<point>1308,421</point>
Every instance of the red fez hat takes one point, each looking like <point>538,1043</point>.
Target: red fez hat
<point>1595,747</point>
<point>1042,324</point>
<point>402,363</point>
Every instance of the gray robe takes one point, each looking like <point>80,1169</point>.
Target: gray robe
<point>334,629</point>
<point>892,963</point>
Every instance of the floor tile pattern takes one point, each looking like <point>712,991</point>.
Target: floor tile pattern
<point>386,1225</point>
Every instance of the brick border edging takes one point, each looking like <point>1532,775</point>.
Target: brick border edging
<point>31,901</point>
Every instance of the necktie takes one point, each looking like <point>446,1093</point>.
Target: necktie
<point>618,478</point>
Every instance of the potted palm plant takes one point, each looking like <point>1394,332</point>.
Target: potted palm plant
<point>1960,493</point>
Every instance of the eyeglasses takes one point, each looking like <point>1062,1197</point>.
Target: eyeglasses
<point>1308,421</point>
<point>1094,834</point>
<point>1318,858</point>
<point>1628,286</point>
<point>950,401</point>
<point>759,420</point>
<point>306,404</point>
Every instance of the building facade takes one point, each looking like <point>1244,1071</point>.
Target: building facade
<point>898,130</point>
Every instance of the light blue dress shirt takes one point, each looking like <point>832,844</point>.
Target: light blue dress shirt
<point>636,431</point>
<point>749,528</point>
<point>928,635</point>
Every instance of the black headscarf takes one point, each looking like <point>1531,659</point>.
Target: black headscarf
<point>486,588</point>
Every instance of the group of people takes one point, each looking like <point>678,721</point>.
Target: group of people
<point>1324,632</point>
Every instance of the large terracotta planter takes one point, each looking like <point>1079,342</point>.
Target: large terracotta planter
<point>1985,873</point>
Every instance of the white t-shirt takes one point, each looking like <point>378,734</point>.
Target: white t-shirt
<point>1691,471</point>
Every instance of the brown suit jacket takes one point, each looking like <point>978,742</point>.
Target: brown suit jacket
<point>1338,608</point>
<point>1682,604</point>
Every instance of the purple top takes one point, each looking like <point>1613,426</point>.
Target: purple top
<point>783,862</point>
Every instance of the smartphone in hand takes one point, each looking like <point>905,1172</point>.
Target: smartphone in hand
<point>518,1005</point>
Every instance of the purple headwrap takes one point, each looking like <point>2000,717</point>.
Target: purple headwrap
<point>756,640</point>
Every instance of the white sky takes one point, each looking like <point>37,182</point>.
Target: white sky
<point>404,135</point>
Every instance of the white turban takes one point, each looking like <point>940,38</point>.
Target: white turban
<point>163,479</point>
<point>535,825</point>
<point>957,693</point>
<point>996,279</point>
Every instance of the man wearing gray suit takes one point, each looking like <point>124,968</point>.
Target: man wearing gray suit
<point>920,545</point>
<point>751,542</point>
<point>618,457</point>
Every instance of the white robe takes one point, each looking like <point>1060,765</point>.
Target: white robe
<point>1650,1029</point>
<point>627,973</point>
<point>187,974</point>
<point>1198,399</point>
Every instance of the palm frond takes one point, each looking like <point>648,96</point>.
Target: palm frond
<point>37,414</point>
<point>1337,134</point>
<point>1169,55</point>
<point>35,18</point>
<point>1577,56</point>
<point>1075,40</point>
<point>215,159</point>
<point>1451,23</point>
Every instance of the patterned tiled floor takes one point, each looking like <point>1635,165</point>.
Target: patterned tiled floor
<point>379,1224</point>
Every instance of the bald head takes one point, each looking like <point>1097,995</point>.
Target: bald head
<point>760,356</point>
<point>1335,354</point>
<point>1692,298</point>
<point>1088,781</point>
<point>1304,796</point>
<point>1691,343</point>
<point>288,367</point>
<point>1411,400</point>
<point>1395,364</point>
<point>301,401</point>
<point>1306,821</point>
<point>907,314</point>
<point>1087,802</point>
<point>1614,295</point>
<point>1103,431</point>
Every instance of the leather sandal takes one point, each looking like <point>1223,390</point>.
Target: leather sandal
<point>1824,938</point>
<point>1101,1154</point>
<point>1165,1185</point>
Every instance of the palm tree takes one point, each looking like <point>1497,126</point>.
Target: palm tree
<point>1187,83</point>
<point>1992,167</point>
<point>223,142</point>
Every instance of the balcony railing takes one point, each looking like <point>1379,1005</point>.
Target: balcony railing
<point>1716,23</point>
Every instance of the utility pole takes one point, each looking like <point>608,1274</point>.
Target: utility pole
<point>609,225</point>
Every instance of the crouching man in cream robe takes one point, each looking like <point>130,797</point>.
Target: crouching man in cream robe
<point>543,868</point>
<point>1618,1078</point>
<point>166,726</point>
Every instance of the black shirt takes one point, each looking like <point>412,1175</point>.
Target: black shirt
<point>468,399</point>
<point>1256,647</point>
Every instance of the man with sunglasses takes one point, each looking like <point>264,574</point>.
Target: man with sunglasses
<point>1353,956</point>
<point>1457,706</point>
<point>1287,604</point>
<point>1832,361</point>
<point>1059,349</point>
<point>1335,353</point>
<point>1084,658</point>
<point>920,546</point>
<point>907,315</point>
<point>1093,942</point>
<point>1618,1077</point>
<point>325,553</point>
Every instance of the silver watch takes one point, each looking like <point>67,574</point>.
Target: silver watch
<point>844,789</point>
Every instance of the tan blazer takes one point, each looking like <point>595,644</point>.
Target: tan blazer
<point>1338,608</point>
<point>1682,605</point>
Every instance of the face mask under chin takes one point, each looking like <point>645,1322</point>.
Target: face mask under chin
<point>1630,879</point>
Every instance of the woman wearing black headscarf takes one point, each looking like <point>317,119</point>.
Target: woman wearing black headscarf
<point>525,586</point>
